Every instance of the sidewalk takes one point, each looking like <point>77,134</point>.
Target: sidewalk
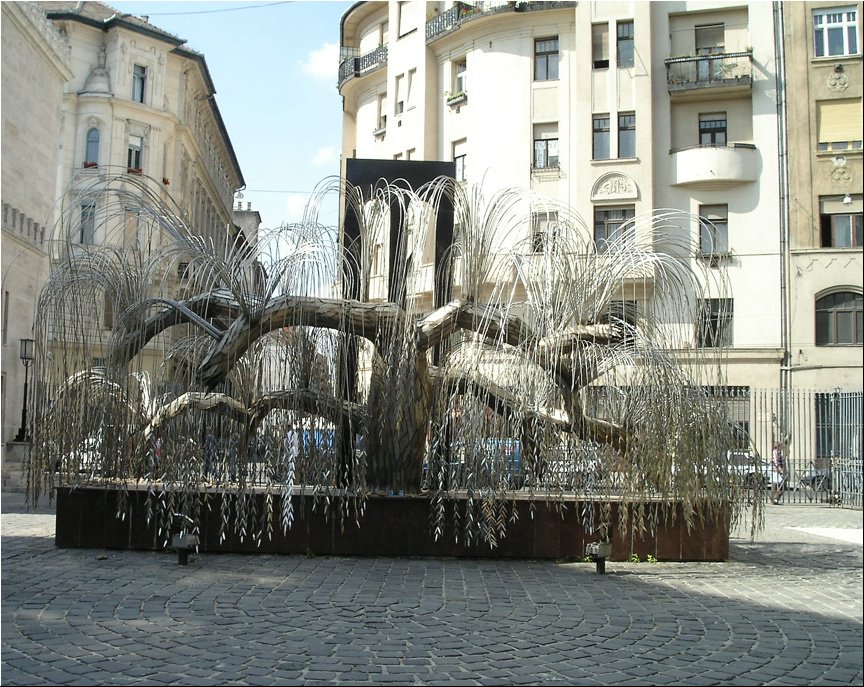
<point>787,609</point>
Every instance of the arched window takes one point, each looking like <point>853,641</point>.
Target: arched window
<point>839,319</point>
<point>92,152</point>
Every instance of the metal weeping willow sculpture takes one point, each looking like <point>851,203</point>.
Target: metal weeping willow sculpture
<point>175,362</point>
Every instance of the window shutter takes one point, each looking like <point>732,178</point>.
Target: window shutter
<point>839,120</point>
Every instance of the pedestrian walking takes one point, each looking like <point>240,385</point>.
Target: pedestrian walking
<point>778,473</point>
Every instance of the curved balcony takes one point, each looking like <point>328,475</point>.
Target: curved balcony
<point>715,167</point>
<point>354,66</point>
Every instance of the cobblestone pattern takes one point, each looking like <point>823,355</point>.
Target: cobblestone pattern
<point>781,613</point>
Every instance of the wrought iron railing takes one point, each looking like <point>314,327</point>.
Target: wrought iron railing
<point>357,65</point>
<point>701,71</point>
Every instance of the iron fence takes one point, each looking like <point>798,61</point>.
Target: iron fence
<point>820,434</point>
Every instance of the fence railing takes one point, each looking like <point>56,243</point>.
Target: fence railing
<point>820,434</point>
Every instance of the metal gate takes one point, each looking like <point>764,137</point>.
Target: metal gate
<point>820,433</point>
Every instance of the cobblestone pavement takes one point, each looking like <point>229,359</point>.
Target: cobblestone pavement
<point>786,610</point>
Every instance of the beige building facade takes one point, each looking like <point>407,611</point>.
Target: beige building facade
<point>33,75</point>
<point>822,45</point>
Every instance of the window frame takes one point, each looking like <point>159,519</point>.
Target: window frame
<point>715,130</point>
<point>87,223</point>
<point>610,229</point>
<point>712,228</point>
<point>461,160</point>
<point>829,230</point>
<point>600,46</point>
<point>544,230</point>
<point>549,59</point>
<point>825,307</point>
<point>139,83</point>
<point>135,154</point>
<point>714,323</point>
<point>626,126</point>
<point>459,84</point>
<point>91,146</point>
<point>821,31</point>
<point>599,134</point>
<point>625,51</point>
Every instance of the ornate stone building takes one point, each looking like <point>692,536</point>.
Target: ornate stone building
<point>127,101</point>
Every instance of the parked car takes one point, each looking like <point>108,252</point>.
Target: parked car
<point>749,468</point>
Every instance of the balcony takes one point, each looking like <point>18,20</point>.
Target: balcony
<point>450,20</point>
<point>709,168</point>
<point>719,74</point>
<point>353,65</point>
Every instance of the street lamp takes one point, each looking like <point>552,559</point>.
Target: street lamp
<point>26,355</point>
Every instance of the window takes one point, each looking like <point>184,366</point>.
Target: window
<point>544,230</point>
<point>714,325</point>
<point>545,146</point>
<point>835,31</point>
<point>600,45</point>
<point>405,18</point>
<point>625,44</point>
<point>839,319</point>
<point>139,82</point>
<point>381,121</point>
<point>841,225</point>
<point>459,157</point>
<point>91,153</point>
<point>409,88</point>
<point>460,78</point>
<point>133,156</point>
<point>601,137</point>
<point>627,134</point>
<point>710,40</point>
<point>546,59</point>
<point>400,94</point>
<point>713,229</point>
<point>87,232</point>
<point>712,129</point>
<point>612,226</point>
<point>839,123</point>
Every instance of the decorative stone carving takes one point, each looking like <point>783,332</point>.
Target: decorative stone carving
<point>841,175</point>
<point>615,186</point>
<point>838,81</point>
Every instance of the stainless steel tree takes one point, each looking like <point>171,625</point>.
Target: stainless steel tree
<point>564,366</point>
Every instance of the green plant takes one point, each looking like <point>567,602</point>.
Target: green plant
<point>309,553</point>
<point>634,558</point>
<point>650,559</point>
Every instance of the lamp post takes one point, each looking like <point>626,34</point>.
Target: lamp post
<point>26,355</point>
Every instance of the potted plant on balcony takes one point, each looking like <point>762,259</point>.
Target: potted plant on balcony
<point>89,164</point>
<point>134,170</point>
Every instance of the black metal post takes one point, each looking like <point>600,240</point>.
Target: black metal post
<point>26,354</point>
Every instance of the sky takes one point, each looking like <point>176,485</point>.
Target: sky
<point>274,66</point>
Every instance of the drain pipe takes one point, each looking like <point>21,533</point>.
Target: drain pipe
<point>783,178</point>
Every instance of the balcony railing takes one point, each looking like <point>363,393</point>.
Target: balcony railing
<point>357,66</point>
<point>710,71</point>
<point>450,19</point>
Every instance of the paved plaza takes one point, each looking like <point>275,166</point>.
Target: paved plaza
<point>786,610</point>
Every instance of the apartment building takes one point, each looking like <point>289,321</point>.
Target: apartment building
<point>615,109</point>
